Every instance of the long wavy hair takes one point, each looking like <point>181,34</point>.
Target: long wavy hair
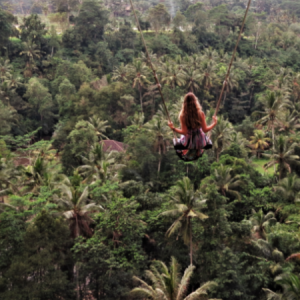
<point>191,111</point>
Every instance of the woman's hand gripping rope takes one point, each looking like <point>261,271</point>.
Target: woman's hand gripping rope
<point>171,125</point>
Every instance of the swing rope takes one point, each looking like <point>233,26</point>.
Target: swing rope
<point>232,59</point>
<point>151,65</point>
<point>228,70</point>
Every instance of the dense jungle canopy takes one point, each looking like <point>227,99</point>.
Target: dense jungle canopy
<point>94,202</point>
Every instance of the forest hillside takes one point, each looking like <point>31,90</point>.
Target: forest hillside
<point>94,201</point>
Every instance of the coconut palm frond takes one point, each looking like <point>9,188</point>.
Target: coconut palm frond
<point>272,295</point>
<point>83,196</point>
<point>92,207</point>
<point>202,291</point>
<point>174,227</point>
<point>182,289</point>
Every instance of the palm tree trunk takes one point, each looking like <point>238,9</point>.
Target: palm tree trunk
<point>280,173</point>
<point>159,162</point>
<point>140,90</point>
<point>76,271</point>
<point>191,242</point>
<point>273,141</point>
<point>218,155</point>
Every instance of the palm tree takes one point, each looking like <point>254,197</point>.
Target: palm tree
<point>192,62</point>
<point>13,81</point>
<point>289,122</point>
<point>221,136</point>
<point>290,284</point>
<point>273,104</point>
<point>261,222</point>
<point>100,126</point>
<point>207,76</point>
<point>283,155</point>
<point>210,54</point>
<point>250,62</point>
<point>243,143</point>
<point>188,204</point>
<point>167,284</point>
<point>138,120</point>
<point>259,142</point>
<point>265,248</point>
<point>232,83</point>
<point>96,164</point>
<point>9,176</point>
<point>31,50</point>
<point>172,75</point>
<point>35,173</point>
<point>5,69</point>
<point>153,57</point>
<point>152,93</point>
<point>77,209</point>
<point>161,133</point>
<point>139,72</point>
<point>225,182</point>
<point>192,79</point>
<point>121,73</point>
<point>289,187</point>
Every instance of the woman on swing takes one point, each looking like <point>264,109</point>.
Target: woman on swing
<point>193,141</point>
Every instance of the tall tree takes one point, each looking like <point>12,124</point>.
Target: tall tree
<point>41,104</point>
<point>221,136</point>
<point>188,204</point>
<point>225,182</point>
<point>261,223</point>
<point>97,165</point>
<point>192,78</point>
<point>159,16</point>
<point>139,73</point>
<point>259,142</point>
<point>7,20</point>
<point>90,23</point>
<point>172,74</point>
<point>31,51</point>
<point>161,134</point>
<point>82,138</point>
<point>77,208</point>
<point>7,118</point>
<point>290,188</point>
<point>37,271</point>
<point>5,69</point>
<point>100,126</point>
<point>273,104</point>
<point>283,155</point>
<point>33,30</point>
<point>167,284</point>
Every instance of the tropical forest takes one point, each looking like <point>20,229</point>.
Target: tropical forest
<point>95,203</point>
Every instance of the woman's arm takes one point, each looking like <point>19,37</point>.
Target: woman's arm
<point>183,129</point>
<point>204,126</point>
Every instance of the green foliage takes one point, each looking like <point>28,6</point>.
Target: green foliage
<point>158,17</point>
<point>41,103</point>
<point>82,75</point>
<point>6,27</point>
<point>33,30</point>
<point>42,238</point>
<point>121,229</point>
<point>82,138</point>
<point>83,32</point>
